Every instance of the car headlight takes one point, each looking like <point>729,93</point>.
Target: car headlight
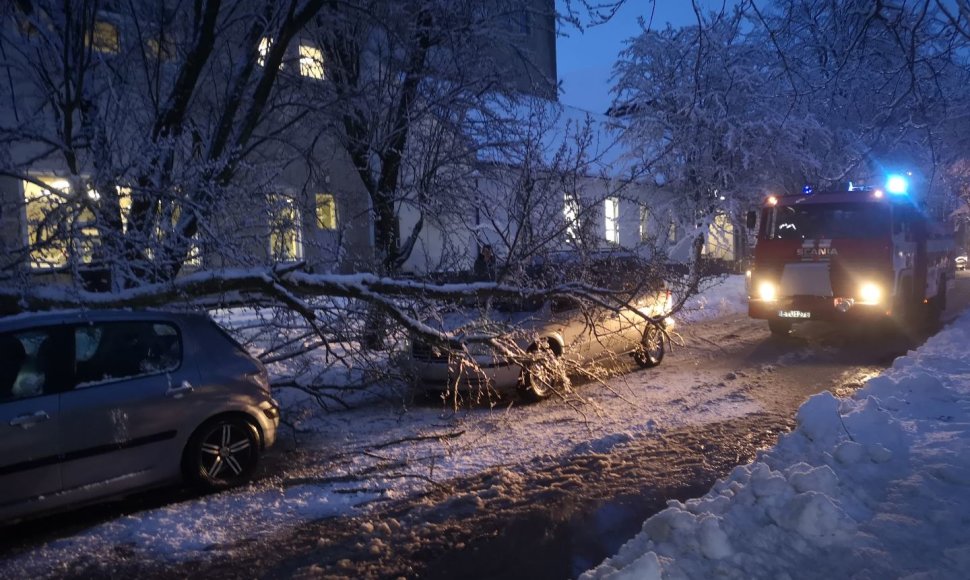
<point>767,291</point>
<point>870,293</point>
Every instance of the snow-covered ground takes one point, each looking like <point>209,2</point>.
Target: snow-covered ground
<point>872,486</point>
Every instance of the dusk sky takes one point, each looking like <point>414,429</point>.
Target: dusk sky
<point>586,58</point>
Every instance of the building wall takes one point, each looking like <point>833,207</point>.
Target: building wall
<point>531,56</point>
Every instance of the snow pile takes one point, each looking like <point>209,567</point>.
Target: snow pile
<point>724,297</point>
<point>875,486</point>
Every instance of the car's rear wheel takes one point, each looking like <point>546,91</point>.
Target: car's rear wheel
<point>222,453</point>
<point>779,327</point>
<point>651,349</point>
<point>545,374</point>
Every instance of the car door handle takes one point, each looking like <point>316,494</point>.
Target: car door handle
<point>178,392</point>
<point>28,421</point>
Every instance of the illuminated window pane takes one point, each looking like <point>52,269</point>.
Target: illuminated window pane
<point>46,232</point>
<point>194,258</point>
<point>720,238</point>
<point>611,210</point>
<point>263,49</point>
<point>104,37</point>
<point>311,61</point>
<point>124,200</point>
<point>163,235</point>
<point>286,233</point>
<point>326,211</point>
<point>644,223</point>
<point>570,213</point>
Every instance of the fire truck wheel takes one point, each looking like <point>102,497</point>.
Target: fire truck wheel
<point>779,327</point>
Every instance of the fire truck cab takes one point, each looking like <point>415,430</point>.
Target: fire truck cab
<point>859,255</point>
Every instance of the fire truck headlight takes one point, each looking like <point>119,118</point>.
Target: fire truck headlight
<point>870,293</point>
<point>767,291</point>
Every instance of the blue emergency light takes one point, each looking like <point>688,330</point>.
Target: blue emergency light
<point>897,185</point>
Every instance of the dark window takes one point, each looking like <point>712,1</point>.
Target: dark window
<point>116,350</point>
<point>828,220</point>
<point>518,21</point>
<point>31,363</point>
<point>564,304</point>
<point>517,305</point>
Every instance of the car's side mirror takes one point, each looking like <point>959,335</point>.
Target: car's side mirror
<point>752,219</point>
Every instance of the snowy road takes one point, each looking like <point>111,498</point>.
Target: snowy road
<point>535,491</point>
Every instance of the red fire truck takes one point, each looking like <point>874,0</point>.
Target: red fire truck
<point>858,255</point>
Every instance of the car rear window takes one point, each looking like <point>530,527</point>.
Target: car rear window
<point>31,363</point>
<point>109,351</point>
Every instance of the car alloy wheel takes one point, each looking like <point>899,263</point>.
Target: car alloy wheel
<point>544,375</point>
<point>651,349</point>
<point>222,453</point>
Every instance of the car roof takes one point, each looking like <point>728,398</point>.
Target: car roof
<point>78,316</point>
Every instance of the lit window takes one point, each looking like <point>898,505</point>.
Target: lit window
<point>194,257</point>
<point>286,233</point>
<point>570,212</point>
<point>311,61</point>
<point>45,235</point>
<point>644,223</point>
<point>326,211</point>
<point>263,49</point>
<point>720,238</point>
<point>124,200</point>
<point>104,37</point>
<point>55,229</point>
<point>611,209</point>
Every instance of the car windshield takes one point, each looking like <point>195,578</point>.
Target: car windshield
<point>828,220</point>
<point>517,305</point>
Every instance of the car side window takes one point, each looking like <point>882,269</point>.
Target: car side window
<point>29,364</point>
<point>564,304</point>
<point>111,351</point>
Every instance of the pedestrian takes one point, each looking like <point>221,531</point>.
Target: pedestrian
<point>485,264</point>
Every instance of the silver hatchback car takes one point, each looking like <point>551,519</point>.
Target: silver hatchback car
<point>101,403</point>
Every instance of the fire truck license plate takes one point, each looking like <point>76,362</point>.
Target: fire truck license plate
<point>794,314</point>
